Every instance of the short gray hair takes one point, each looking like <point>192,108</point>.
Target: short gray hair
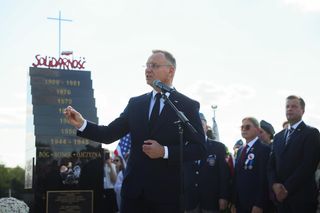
<point>253,120</point>
<point>167,55</point>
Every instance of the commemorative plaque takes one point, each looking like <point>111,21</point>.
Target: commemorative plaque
<point>75,201</point>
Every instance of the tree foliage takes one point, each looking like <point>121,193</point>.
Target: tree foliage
<point>11,178</point>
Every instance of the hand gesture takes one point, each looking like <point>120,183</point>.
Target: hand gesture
<point>74,117</point>
<point>153,149</point>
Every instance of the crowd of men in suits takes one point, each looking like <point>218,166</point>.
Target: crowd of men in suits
<point>273,172</point>
<point>283,173</point>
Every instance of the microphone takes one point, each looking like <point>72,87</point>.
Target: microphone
<point>164,88</point>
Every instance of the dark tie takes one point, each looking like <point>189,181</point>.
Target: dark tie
<point>155,112</point>
<point>243,155</point>
<point>289,134</point>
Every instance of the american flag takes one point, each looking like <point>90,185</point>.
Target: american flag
<point>124,146</point>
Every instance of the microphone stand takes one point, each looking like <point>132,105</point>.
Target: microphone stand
<point>181,122</point>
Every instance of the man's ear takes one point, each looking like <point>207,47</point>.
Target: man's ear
<point>172,71</point>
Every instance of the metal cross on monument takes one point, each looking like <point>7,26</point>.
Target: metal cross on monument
<point>59,19</point>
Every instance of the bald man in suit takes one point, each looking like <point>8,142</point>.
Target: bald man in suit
<point>152,179</point>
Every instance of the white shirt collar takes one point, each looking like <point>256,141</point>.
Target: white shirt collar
<point>251,143</point>
<point>154,92</point>
<point>295,125</point>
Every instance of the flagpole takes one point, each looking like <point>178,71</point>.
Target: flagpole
<point>214,123</point>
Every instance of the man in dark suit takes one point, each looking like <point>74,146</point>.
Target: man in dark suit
<point>293,162</point>
<point>250,180</point>
<point>152,179</point>
<point>207,181</point>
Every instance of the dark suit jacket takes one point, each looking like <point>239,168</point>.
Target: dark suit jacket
<point>250,183</point>
<point>208,180</point>
<point>157,179</point>
<point>294,164</point>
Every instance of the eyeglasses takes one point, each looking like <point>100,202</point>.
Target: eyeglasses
<point>245,127</point>
<point>116,160</point>
<point>155,66</point>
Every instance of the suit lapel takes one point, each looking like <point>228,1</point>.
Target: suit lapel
<point>295,135</point>
<point>252,155</point>
<point>297,132</point>
<point>253,147</point>
<point>239,154</point>
<point>145,110</point>
<point>252,150</point>
<point>208,147</point>
<point>282,142</point>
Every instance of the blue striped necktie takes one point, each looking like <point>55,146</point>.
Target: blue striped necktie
<point>289,134</point>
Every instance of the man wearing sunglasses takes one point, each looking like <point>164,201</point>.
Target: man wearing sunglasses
<point>250,180</point>
<point>293,162</point>
<point>152,177</point>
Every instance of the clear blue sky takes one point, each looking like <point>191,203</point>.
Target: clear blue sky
<point>244,56</point>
